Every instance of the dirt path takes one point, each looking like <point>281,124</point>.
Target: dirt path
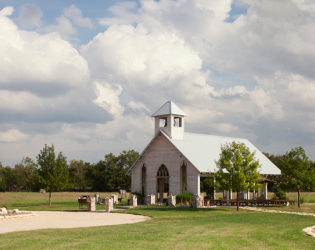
<point>48,219</point>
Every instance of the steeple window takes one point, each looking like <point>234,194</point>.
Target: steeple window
<point>163,122</point>
<point>177,121</point>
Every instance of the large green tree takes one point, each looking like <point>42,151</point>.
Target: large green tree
<point>78,176</point>
<point>297,173</point>
<point>53,172</point>
<point>237,168</point>
<point>110,173</point>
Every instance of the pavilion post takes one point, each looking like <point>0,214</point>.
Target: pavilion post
<point>214,188</point>
<point>227,197</point>
<point>266,191</point>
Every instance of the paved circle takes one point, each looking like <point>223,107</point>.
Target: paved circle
<point>49,219</point>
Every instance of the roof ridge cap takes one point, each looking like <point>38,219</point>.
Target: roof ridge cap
<point>216,136</point>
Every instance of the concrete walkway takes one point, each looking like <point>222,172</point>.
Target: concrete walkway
<point>51,219</point>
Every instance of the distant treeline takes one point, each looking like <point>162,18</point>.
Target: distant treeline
<point>107,174</point>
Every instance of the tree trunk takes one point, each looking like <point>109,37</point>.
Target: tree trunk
<point>237,201</point>
<point>299,198</point>
<point>49,198</point>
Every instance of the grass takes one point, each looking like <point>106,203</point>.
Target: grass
<point>185,228</point>
<point>177,228</point>
<point>61,201</point>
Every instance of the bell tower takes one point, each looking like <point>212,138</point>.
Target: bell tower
<point>170,119</point>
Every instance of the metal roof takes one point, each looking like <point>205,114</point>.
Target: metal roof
<point>169,108</point>
<point>202,151</point>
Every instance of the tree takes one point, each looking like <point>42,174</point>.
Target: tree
<point>110,173</point>
<point>54,175</point>
<point>78,174</point>
<point>297,173</point>
<point>237,168</point>
<point>25,174</point>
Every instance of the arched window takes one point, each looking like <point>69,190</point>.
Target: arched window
<point>162,171</point>
<point>183,170</point>
<point>143,178</point>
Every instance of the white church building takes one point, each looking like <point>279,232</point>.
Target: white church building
<point>174,160</point>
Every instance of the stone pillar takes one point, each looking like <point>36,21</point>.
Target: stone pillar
<point>91,205</point>
<point>97,198</point>
<point>266,191</point>
<point>108,204</point>
<point>197,201</point>
<point>133,200</point>
<point>150,199</point>
<point>172,200</point>
<point>115,198</point>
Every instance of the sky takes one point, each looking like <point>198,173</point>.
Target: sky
<point>86,76</point>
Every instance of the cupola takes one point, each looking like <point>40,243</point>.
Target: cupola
<point>170,119</point>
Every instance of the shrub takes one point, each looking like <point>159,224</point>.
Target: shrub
<point>275,197</point>
<point>187,198</point>
<point>140,197</point>
<point>302,200</point>
<point>279,193</point>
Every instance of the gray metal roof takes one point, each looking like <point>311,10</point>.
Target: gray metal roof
<point>202,151</point>
<point>169,108</point>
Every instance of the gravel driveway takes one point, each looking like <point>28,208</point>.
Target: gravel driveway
<point>49,219</point>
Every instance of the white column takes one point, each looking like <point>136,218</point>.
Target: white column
<point>254,198</point>
<point>248,194</point>
<point>198,184</point>
<point>227,197</point>
<point>245,194</point>
<point>214,187</point>
<point>231,194</point>
<point>266,191</point>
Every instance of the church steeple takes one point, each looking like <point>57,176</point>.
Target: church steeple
<point>170,119</point>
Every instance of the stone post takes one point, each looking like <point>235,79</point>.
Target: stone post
<point>172,200</point>
<point>150,199</point>
<point>97,198</point>
<point>133,200</point>
<point>197,201</point>
<point>91,205</point>
<point>115,198</point>
<point>108,204</point>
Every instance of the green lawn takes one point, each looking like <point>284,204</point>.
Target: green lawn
<point>61,201</point>
<point>176,228</point>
